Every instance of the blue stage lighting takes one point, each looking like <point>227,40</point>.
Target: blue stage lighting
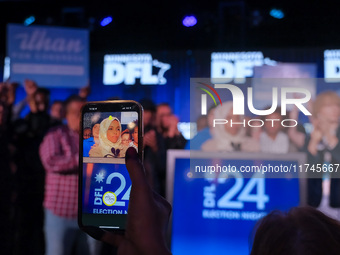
<point>29,20</point>
<point>277,14</point>
<point>106,21</point>
<point>189,21</point>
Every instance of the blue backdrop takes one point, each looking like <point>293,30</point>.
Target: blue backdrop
<point>184,65</point>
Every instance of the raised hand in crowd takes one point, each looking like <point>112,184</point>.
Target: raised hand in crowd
<point>85,91</point>
<point>315,139</point>
<point>296,137</point>
<point>30,87</point>
<point>173,122</point>
<point>150,140</point>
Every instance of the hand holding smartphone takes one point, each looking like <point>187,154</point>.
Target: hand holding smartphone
<point>108,129</point>
<point>147,220</point>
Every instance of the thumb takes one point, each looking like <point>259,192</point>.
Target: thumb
<point>135,168</point>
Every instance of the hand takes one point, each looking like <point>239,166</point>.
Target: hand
<point>30,87</point>
<point>85,91</point>
<point>150,140</point>
<point>173,131</point>
<point>315,139</point>
<point>317,133</point>
<point>147,217</point>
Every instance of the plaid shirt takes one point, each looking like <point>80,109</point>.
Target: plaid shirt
<point>59,155</point>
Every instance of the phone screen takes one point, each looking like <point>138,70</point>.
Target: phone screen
<point>108,130</point>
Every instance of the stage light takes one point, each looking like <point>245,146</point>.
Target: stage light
<point>189,21</point>
<point>277,13</point>
<point>106,21</point>
<point>29,20</point>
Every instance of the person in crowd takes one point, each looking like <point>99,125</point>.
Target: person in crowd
<point>323,147</point>
<point>154,148</point>
<point>272,137</point>
<point>57,111</point>
<point>30,87</point>
<point>228,137</point>
<point>7,98</point>
<point>134,135</point>
<point>109,139</point>
<point>203,135</point>
<point>6,183</point>
<point>95,132</point>
<point>126,138</point>
<point>8,93</point>
<point>59,155</point>
<point>167,123</point>
<point>94,139</point>
<point>28,133</point>
<point>38,117</point>
<point>167,126</point>
<point>87,133</point>
<point>301,231</point>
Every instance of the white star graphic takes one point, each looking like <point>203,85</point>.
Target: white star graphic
<point>99,177</point>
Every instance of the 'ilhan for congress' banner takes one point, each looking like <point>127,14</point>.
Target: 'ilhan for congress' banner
<point>53,57</point>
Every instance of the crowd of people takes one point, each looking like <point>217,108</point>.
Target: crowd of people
<point>39,154</point>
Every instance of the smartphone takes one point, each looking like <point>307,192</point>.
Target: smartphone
<point>108,129</point>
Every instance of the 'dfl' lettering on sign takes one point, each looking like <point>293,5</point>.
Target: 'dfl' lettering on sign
<point>126,68</point>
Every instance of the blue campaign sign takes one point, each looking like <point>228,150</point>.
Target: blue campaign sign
<point>51,56</point>
<point>218,215</point>
<point>106,188</point>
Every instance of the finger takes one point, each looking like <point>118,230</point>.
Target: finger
<point>135,168</point>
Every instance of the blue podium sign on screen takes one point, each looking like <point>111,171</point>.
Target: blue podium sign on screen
<point>217,216</point>
<point>51,56</point>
